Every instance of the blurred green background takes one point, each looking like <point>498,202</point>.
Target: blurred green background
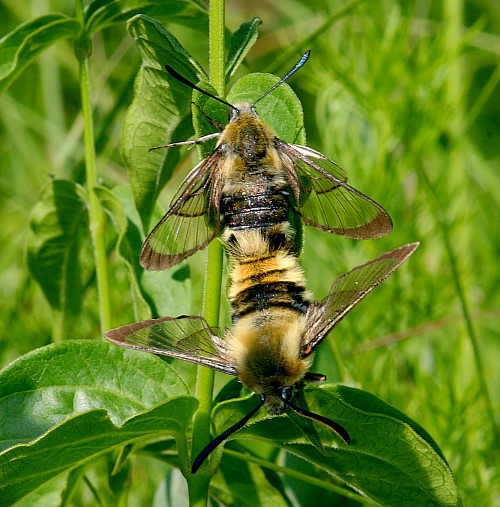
<point>404,95</point>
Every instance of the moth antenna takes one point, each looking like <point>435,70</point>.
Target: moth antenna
<point>182,79</point>
<point>339,430</point>
<point>214,123</point>
<point>218,440</point>
<point>295,68</point>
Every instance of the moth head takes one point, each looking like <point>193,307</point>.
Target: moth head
<point>284,396</point>
<point>274,400</point>
<point>267,353</point>
<point>242,110</point>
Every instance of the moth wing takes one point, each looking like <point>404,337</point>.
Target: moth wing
<point>192,220</point>
<point>187,338</point>
<point>324,199</point>
<point>347,291</point>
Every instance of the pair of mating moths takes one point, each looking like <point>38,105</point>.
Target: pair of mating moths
<point>249,192</point>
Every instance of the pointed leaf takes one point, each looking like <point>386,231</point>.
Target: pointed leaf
<point>241,42</point>
<point>20,46</point>
<point>56,382</point>
<point>82,438</point>
<point>159,113</point>
<point>57,226</point>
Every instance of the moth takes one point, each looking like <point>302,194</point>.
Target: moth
<point>271,352</point>
<point>253,179</point>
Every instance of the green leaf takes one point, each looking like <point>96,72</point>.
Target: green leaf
<point>57,225</point>
<point>56,382</point>
<point>247,484</point>
<point>169,290</point>
<point>103,13</point>
<point>159,112</point>
<point>82,438</point>
<point>206,108</point>
<point>391,459</point>
<point>20,46</point>
<point>67,403</point>
<point>241,42</point>
<point>281,109</point>
<point>48,494</point>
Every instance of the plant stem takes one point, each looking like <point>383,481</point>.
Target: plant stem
<point>96,215</point>
<point>216,46</point>
<point>198,485</point>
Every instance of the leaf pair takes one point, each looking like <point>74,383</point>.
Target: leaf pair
<point>66,404</point>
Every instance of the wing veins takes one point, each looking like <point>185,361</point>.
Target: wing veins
<point>327,202</point>
<point>347,291</point>
<point>187,338</point>
<point>169,242</point>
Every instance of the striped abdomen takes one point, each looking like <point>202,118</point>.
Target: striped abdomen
<point>265,273</point>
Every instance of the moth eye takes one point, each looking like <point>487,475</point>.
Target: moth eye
<point>286,393</point>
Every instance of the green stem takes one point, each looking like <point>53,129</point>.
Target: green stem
<point>216,46</point>
<point>96,215</point>
<point>198,485</point>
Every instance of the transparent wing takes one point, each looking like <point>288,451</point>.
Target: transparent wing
<point>192,220</point>
<point>347,291</point>
<point>187,338</point>
<point>325,200</point>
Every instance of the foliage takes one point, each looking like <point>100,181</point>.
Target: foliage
<point>398,94</point>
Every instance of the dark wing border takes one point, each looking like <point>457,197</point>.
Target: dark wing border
<point>187,337</point>
<point>203,178</point>
<point>347,291</point>
<point>330,196</point>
